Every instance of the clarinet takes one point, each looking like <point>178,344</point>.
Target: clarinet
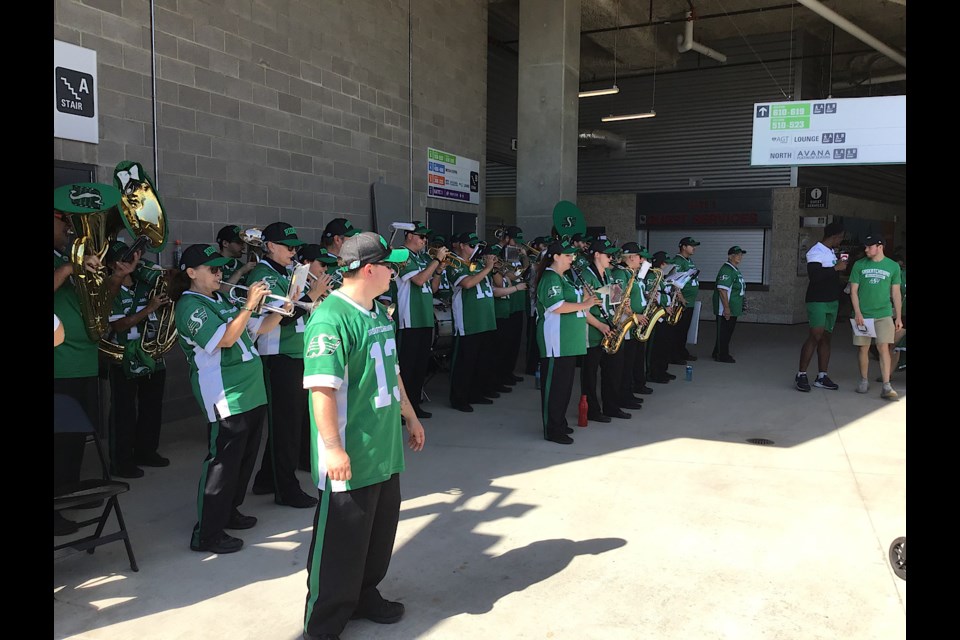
<point>590,292</point>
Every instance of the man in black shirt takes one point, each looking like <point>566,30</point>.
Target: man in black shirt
<point>823,300</point>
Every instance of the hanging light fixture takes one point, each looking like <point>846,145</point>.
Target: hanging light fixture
<point>646,114</point>
<point>614,89</point>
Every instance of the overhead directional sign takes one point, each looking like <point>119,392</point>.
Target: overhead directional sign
<point>830,131</point>
<point>452,177</point>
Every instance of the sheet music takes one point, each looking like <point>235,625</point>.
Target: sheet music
<point>868,330</point>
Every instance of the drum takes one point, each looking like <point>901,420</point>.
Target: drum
<point>442,327</point>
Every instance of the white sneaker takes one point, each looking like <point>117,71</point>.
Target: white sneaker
<point>864,386</point>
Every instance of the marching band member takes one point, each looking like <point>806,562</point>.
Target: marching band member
<point>502,339</point>
<point>663,339</point>
<point>561,337</point>
<point>632,258</point>
<point>282,353</point>
<point>539,244</point>
<point>232,246</point>
<point>419,279</point>
<point>136,383</point>
<point>691,287</point>
<point>227,380</point>
<point>336,231</point>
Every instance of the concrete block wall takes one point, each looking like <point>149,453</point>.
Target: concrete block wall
<point>281,109</point>
<point>617,212</point>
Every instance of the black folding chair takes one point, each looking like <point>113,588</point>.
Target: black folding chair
<point>69,417</point>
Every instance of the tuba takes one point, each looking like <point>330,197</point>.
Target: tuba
<point>653,312</point>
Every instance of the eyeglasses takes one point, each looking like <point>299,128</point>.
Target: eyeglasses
<point>214,270</point>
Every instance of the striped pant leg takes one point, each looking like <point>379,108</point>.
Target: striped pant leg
<point>556,385</point>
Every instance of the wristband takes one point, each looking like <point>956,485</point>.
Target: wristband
<point>247,309</point>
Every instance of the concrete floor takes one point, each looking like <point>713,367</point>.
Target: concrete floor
<point>665,526</point>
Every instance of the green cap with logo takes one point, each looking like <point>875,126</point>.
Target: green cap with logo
<point>282,233</point>
<point>201,255</point>
<point>421,229</point>
<point>735,249</point>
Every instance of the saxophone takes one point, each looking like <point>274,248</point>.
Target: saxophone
<point>623,320</point>
<point>653,311</point>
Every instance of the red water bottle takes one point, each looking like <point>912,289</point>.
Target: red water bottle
<point>582,412</point>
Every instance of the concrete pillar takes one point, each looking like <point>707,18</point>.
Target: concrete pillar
<point>547,110</point>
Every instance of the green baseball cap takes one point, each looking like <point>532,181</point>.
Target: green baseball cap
<point>198,255</point>
<point>282,233</point>
<point>560,246</point>
<point>735,249</point>
<point>421,230</point>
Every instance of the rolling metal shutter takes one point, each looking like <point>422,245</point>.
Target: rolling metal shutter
<point>712,252</point>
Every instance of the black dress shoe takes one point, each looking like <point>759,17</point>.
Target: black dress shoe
<point>127,471</point>
<point>680,361</point>
<point>481,400</point>
<point>261,490</point>
<point>62,526</point>
<point>503,389</point>
<point>726,359</point>
<point>568,430</point>
<point>519,378</point>
<point>658,379</point>
<point>240,521</point>
<point>384,613</point>
<point>619,414</point>
<point>597,417</point>
<point>224,543</point>
<point>421,413</point>
<point>490,395</point>
<point>466,408</point>
<point>152,459</point>
<point>560,438</point>
<point>631,405</point>
<point>296,500</point>
<point>670,376</point>
<point>644,390</point>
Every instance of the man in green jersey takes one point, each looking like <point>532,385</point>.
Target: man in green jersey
<point>691,287</point>
<point>874,281</point>
<point>232,246</point>
<point>728,302</point>
<point>356,401</point>
<point>418,280</point>
<point>282,352</point>
<point>136,382</point>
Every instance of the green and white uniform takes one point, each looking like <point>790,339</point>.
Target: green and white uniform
<point>76,357</point>
<point>231,268</point>
<point>503,306</point>
<point>730,280</point>
<point>692,287</point>
<point>594,337</point>
<point>473,309</point>
<point>354,351</point>
<point>225,381</point>
<point>286,340</point>
<point>875,280</point>
<point>637,301</point>
<point>415,304</point>
<point>559,334</point>
<point>131,300</point>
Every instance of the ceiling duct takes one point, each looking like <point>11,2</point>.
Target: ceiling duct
<point>686,42</point>
<point>615,145</point>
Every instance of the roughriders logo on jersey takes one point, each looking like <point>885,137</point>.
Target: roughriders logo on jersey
<point>555,291</point>
<point>875,276</point>
<point>197,318</point>
<point>322,345</point>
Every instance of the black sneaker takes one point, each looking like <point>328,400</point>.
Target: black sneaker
<point>560,438</point>
<point>240,521</point>
<point>152,459</point>
<point>127,471</point>
<point>466,408</point>
<point>385,612</point>
<point>824,382</point>
<point>802,383</point>
<point>298,500</point>
<point>224,543</point>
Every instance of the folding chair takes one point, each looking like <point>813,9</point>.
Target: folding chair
<point>69,417</point>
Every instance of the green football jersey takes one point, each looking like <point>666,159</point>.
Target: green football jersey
<point>225,381</point>
<point>875,280</point>
<point>692,287</point>
<point>286,340</point>
<point>636,300</point>
<point>131,300</point>
<point>414,304</point>
<point>730,280</point>
<point>231,268</point>
<point>503,306</point>
<point>473,309</point>
<point>354,351</point>
<point>559,334</point>
<point>593,334</point>
<point>76,357</point>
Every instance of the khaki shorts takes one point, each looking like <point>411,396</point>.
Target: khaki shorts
<point>885,330</point>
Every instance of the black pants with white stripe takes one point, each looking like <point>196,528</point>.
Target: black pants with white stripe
<point>287,405</point>
<point>232,445</point>
<point>353,535</point>
<point>556,386</point>
<point>414,357</point>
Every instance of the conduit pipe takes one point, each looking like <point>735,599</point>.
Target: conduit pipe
<point>855,31</point>
<point>686,42</point>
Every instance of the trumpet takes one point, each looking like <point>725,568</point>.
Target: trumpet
<point>451,259</point>
<point>262,307</point>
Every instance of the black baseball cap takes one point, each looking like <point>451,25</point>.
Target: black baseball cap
<point>602,246</point>
<point>229,233</point>
<point>281,233</point>
<point>735,249</point>
<point>872,240</point>
<point>690,241</point>
<point>634,249</point>
<point>437,239</point>
<point>659,256</point>
<point>513,232</point>
<point>311,252</point>
<point>116,251</point>
<point>560,246</point>
<point>581,237</point>
<point>494,249</point>
<point>540,240</point>
<point>197,255</point>
<point>368,248</point>
<point>469,238</point>
<point>421,229</point>
<point>340,227</point>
